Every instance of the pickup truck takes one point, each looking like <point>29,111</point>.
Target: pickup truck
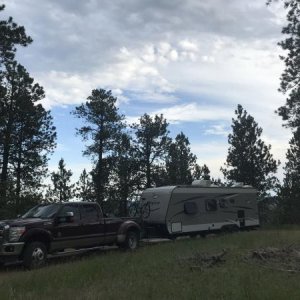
<point>51,228</point>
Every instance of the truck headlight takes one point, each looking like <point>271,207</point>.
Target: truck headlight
<point>15,233</point>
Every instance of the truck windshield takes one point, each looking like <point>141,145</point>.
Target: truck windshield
<point>43,211</point>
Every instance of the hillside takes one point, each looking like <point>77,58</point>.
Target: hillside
<point>163,271</point>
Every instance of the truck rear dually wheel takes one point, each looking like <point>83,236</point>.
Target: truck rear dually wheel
<point>132,241</point>
<point>35,255</point>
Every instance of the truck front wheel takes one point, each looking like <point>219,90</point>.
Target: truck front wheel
<point>35,255</point>
<point>132,240</point>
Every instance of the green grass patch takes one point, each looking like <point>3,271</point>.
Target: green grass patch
<point>155,272</point>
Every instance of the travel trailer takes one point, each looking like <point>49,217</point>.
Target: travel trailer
<point>199,208</point>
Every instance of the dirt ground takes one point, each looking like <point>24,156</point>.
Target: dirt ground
<point>282,259</point>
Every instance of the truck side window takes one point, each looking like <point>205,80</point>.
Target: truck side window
<point>190,208</point>
<point>211,205</point>
<point>89,213</point>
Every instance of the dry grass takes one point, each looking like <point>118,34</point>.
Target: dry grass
<point>154,272</point>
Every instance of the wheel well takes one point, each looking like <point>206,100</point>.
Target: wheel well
<point>43,238</point>
<point>134,229</point>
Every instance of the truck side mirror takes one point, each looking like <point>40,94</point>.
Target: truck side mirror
<point>67,217</point>
<point>69,214</point>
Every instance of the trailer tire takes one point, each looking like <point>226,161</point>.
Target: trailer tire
<point>35,255</point>
<point>132,241</point>
<point>229,229</point>
<point>193,235</point>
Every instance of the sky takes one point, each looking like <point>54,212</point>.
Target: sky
<point>193,61</point>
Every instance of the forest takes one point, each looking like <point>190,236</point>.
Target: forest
<point>127,158</point>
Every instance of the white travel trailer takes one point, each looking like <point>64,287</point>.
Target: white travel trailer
<point>199,208</point>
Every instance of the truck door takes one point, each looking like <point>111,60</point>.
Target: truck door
<point>67,231</point>
<point>92,222</point>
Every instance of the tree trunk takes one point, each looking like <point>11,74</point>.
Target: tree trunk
<point>6,152</point>
<point>99,179</point>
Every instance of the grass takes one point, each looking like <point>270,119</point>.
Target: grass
<point>154,272</point>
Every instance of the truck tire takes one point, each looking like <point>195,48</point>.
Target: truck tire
<point>132,240</point>
<point>35,255</point>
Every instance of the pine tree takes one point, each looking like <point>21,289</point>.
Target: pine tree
<point>27,134</point>
<point>125,174</point>
<point>152,142</point>
<point>104,126</point>
<point>61,189</point>
<point>201,172</point>
<point>11,35</point>
<point>290,112</point>
<point>289,195</point>
<point>249,159</point>
<point>180,161</point>
<point>84,190</point>
<point>290,79</point>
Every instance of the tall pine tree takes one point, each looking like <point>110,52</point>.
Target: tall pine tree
<point>289,195</point>
<point>27,135</point>
<point>249,159</point>
<point>152,142</point>
<point>102,132</point>
<point>290,111</point>
<point>290,79</point>
<point>125,177</point>
<point>180,161</point>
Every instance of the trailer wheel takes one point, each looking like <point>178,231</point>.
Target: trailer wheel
<point>132,241</point>
<point>35,255</point>
<point>193,235</point>
<point>230,229</point>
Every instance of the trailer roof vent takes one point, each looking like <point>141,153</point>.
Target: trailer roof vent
<point>238,184</point>
<point>201,182</point>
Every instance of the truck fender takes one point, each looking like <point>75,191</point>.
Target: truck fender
<point>37,234</point>
<point>124,228</point>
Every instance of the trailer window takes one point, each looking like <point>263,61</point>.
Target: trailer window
<point>223,203</point>
<point>190,208</point>
<point>211,205</point>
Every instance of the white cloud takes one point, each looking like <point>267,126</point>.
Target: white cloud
<point>212,154</point>
<point>193,112</point>
<point>188,46</point>
<point>218,129</point>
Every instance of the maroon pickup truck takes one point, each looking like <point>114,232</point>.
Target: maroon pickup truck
<point>51,228</point>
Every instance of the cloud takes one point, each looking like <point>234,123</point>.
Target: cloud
<point>218,129</point>
<point>193,112</point>
<point>192,60</point>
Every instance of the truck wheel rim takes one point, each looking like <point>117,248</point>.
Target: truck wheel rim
<point>38,256</point>
<point>132,242</point>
